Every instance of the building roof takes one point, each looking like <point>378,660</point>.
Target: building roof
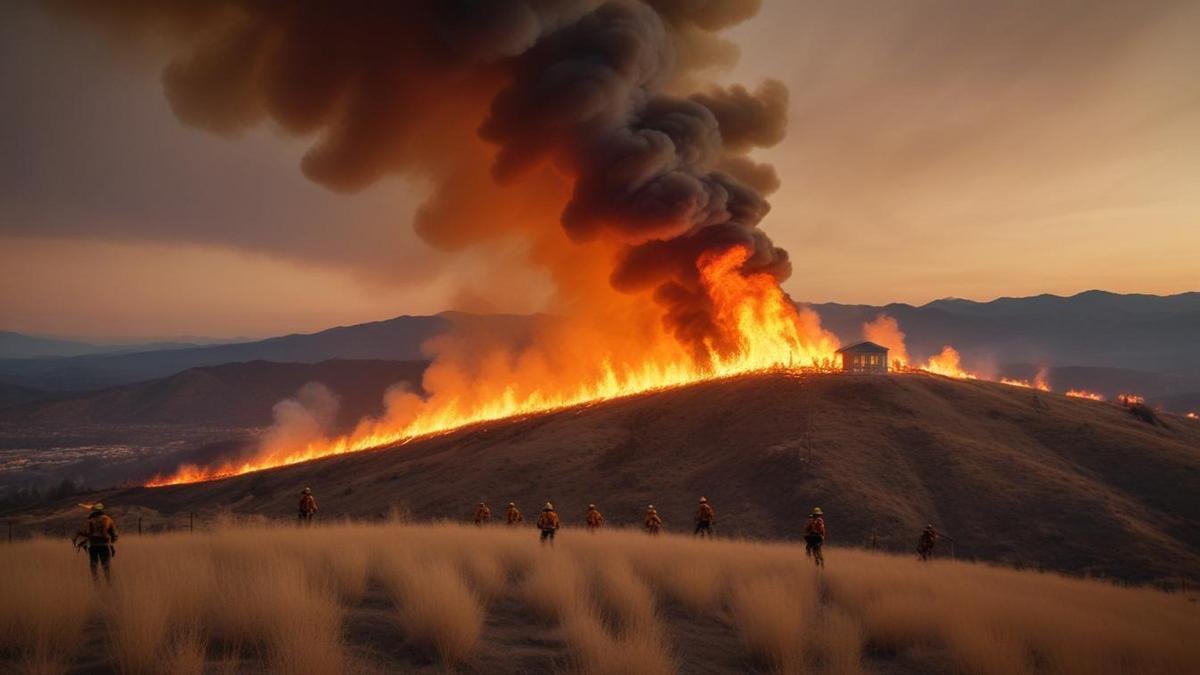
<point>863,348</point>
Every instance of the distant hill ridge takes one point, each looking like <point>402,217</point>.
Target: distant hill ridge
<point>1090,329</point>
<point>1094,329</point>
<point>228,395</point>
<point>20,346</point>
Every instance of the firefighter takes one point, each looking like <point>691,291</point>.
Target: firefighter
<point>548,523</point>
<point>513,515</point>
<point>308,506</point>
<point>652,521</point>
<point>929,539</point>
<point>97,537</point>
<point>595,519</point>
<point>483,513</point>
<point>814,536</point>
<point>704,519</point>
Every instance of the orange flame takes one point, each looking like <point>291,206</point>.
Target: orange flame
<point>948,363</point>
<point>1083,393</point>
<point>1130,399</point>
<point>1192,416</point>
<point>759,327</point>
<point>1039,382</point>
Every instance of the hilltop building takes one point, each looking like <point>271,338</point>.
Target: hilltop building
<point>864,357</point>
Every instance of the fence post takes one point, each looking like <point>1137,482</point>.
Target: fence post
<point>139,524</point>
<point>10,531</point>
<point>191,522</point>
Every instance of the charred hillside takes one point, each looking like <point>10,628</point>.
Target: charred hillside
<point>1012,475</point>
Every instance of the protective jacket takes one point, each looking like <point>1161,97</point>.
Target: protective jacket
<point>513,515</point>
<point>98,529</point>
<point>594,518</point>
<point>483,514</point>
<point>705,514</point>
<point>815,525</point>
<point>308,504</point>
<point>548,521</point>
<point>653,522</point>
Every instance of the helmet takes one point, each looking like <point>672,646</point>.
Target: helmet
<point>512,504</point>
<point>548,507</point>
<point>307,491</point>
<point>591,506</point>
<point>97,506</point>
<point>650,508</point>
<point>817,511</point>
<point>703,499</point>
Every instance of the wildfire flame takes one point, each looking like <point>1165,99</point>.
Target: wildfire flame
<point>948,363</point>
<point>1083,393</point>
<point>1039,382</point>
<point>761,330</point>
<point>1130,399</point>
<point>1192,416</point>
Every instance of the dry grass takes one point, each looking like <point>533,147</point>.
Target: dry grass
<point>276,598</point>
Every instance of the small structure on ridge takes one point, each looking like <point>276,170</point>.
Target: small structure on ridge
<point>864,357</point>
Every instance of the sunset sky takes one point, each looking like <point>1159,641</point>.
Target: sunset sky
<point>934,149</point>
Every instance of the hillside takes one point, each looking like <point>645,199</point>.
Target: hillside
<point>398,339</point>
<point>117,434</point>
<point>15,394</point>
<point>1012,475</point>
<point>231,394</point>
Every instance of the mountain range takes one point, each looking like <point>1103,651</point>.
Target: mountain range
<point>1149,338</point>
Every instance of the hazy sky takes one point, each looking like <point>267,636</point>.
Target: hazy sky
<point>934,149</point>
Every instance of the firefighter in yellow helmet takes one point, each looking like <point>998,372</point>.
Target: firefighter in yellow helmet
<point>927,541</point>
<point>548,523</point>
<point>307,507</point>
<point>705,515</point>
<point>814,536</point>
<point>97,537</point>
<point>483,514</point>
<point>512,515</point>
<point>595,519</point>
<point>653,522</point>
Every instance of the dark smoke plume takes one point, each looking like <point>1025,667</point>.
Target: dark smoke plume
<point>565,98</point>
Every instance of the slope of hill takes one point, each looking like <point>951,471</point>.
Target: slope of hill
<point>231,394</point>
<point>15,394</point>
<point>1012,475</point>
<point>1096,328</point>
<point>397,339</point>
<point>1158,388</point>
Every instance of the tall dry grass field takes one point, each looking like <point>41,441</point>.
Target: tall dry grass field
<point>412,598</point>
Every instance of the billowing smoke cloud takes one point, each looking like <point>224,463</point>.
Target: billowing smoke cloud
<point>517,113</point>
<point>298,420</point>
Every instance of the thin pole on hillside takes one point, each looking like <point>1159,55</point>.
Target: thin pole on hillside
<point>139,524</point>
<point>10,531</point>
<point>191,522</point>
